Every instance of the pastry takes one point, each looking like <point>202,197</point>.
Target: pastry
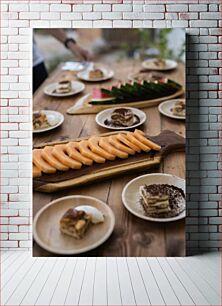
<point>40,120</point>
<point>63,87</point>
<point>75,223</point>
<point>162,200</point>
<point>75,154</point>
<point>122,117</point>
<point>179,108</point>
<point>95,74</point>
<point>159,62</point>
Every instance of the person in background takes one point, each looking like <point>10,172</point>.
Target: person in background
<point>39,70</point>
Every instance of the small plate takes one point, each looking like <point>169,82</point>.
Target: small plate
<point>74,66</point>
<point>105,114</point>
<point>131,196</point>
<point>46,226</point>
<point>77,87</point>
<point>170,64</point>
<point>54,118</point>
<point>165,109</point>
<point>107,74</point>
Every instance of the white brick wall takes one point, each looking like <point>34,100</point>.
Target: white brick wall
<point>203,92</point>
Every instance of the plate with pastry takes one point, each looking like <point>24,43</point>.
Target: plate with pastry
<point>159,64</point>
<point>157,197</point>
<point>64,88</point>
<point>73,225</point>
<point>175,109</point>
<point>95,74</point>
<point>46,120</point>
<point>121,118</point>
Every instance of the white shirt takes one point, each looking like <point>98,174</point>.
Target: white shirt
<point>37,55</point>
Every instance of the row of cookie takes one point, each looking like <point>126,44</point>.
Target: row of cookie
<point>96,149</point>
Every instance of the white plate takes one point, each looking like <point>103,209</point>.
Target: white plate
<point>131,196</point>
<point>107,74</point>
<point>54,118</point>
<point>74,66</point>
<point>105,114</point>
<point>165,109</point>
<point>77,87</point>
<point>170,64</point>
<point>47,233</point>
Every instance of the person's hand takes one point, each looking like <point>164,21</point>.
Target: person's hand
<point>80,52</point>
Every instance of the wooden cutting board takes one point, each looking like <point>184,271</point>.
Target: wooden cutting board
<point>169,141</point>
<point>83,105</point>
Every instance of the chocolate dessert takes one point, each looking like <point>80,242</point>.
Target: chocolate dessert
<point>75,223</point>
<point>179,109</point>
<point>63,87</point>
<point>162,200</point>
<point>122,117</point>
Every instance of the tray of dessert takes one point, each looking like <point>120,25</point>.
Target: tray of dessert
<point>64,88</point>
<point>132,94</point>
<point>71,163</point>
<point>73,225</point>
<point>121,118</point>
<point>95,73</point>
<point>157,197</point>
<point>46,120</point>
<point>175,109</point>
<point>160,64</point>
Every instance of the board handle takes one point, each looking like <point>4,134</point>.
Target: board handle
<point>169,142</point>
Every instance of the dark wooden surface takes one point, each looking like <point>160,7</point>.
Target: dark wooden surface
<point>132,236</point>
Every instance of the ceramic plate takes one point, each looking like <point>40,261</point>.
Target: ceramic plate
<point>103,115</point>
<point>77,87</point>
<point>166,107</point>
<point>55,119</point>
<point>107,74</point>
<point>46,226</point>
<point>170,64</point>
<point>130,194</point>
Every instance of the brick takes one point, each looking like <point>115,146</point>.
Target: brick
<point>18,236</point>
<point>137,8</point>
<point>39,7</point>
<point>29,15</point>
<point>121,7</point>
<point>102,23</point>
<point>82,24</point>
<point>154,8</point>
<point>208,15</point>
<point>122,23</point>
<point>197,7</point>
<point>135,15</point>
<point>102,7</point>
<point>112,15</point>
<point>9,244</point>
<point>177,8</point>
<point>51,15</point>
<point>83,8</point>
<point>17,7</point>
<point>203,23</point>
<point>60,8</point>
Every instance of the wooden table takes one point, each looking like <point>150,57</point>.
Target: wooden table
<point>132,236</point>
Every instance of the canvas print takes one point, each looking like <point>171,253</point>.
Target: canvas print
<point>109,142</point>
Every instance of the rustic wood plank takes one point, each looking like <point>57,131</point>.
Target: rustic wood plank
<point>206,289</point>
<point>188,283</point>
<point>173,279</point>
<point>74,290</point>
<point>167,291</point>
<point>113,285</point>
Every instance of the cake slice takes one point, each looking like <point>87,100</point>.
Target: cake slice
<point>179,108</point>
<point>75,223</point>
<point>154,204</point>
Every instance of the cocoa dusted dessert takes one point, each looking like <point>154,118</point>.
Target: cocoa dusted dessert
<point>95,73</point>
<point>40,120</point>
<point>75,223</point>
<point>179,108</point>
<point>122,117</point>
<point>63,87</point>
<point>162,200</point>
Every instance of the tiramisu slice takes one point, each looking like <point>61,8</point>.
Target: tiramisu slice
<point>162,200</point>
<point>64,87</point>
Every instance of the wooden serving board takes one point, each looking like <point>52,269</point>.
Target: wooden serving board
<point>168,140</point>
<point>83,105</point>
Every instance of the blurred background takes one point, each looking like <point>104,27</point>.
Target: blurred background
<point>110,45</point>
